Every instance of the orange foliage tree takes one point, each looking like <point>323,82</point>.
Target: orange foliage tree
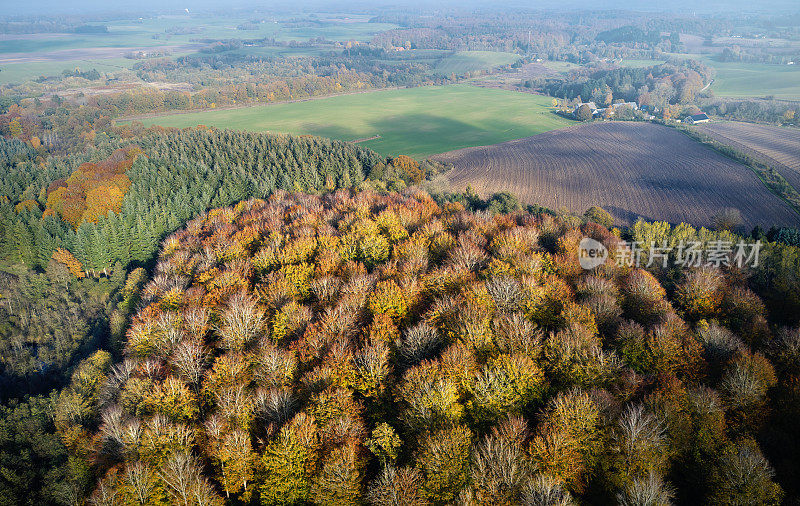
<point>73,264</point>
<point>93,189</point>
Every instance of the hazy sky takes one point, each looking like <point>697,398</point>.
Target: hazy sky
<point>16,7</point>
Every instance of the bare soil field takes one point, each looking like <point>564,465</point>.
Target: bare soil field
<point>772,145</point>
<point>630,169</point>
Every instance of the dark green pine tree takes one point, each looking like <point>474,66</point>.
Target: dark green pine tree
<point>45,245</point>
<point>22,245</point>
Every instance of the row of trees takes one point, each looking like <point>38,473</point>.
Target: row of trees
<point>757,110</point>
<point>659,85</point>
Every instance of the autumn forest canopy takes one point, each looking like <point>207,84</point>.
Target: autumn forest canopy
<point>358,347</point>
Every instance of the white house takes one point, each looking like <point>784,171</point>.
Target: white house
<point>696,118</point>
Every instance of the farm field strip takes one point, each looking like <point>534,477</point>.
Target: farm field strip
<point>630,169</point>
<point>772,145</point>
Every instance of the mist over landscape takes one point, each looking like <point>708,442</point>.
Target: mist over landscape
<point>399,253</point>
<point>94,7</point>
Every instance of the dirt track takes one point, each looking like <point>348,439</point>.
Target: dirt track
<point>630,169</point>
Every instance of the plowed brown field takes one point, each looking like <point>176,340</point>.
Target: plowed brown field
<point>776,146</point>
<point>630,169</point>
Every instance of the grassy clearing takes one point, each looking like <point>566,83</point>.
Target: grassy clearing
<point>470,61</point>
<point>20,72</point>
<point>418,121</point>
<point>560,66</point>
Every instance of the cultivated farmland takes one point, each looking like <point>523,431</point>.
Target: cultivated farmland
<point>630,169</point>
<point>775,146</point>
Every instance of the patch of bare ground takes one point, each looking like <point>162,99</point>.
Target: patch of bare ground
<point>631,169</point>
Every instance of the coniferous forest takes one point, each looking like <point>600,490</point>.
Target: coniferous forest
<point>170,178</point>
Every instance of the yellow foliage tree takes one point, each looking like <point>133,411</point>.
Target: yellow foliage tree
<point>409,168</point>
<point>101,200</point>
<point>26,205</point>
<point>73,264</point>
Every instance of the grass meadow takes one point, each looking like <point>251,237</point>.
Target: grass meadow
<point>755,80</point>
<point>417,121</point>
<point>470,61</point>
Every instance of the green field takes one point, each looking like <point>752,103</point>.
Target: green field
<point>632,63</point>
<point>470,61</point>
<point>20,72</point>
<point>755,80</point>
<point>417,122</point>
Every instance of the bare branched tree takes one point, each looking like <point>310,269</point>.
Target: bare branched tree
<point>649,491</point>
<point>241,322</point>
<point>545,490</point>
<point>189,359</point>
<point>397,487</point>
<point>141,480</point>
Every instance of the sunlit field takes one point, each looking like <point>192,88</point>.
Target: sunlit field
<point>417,122</point>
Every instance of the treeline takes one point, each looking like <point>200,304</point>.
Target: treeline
<point>765,55</point>
<point>223,84</point>
<point>34,109</point>
<point>359,348</point>
<point>529,32</point>
<point>659,85</point>
<point>756,110</point>
<point>631,34</point>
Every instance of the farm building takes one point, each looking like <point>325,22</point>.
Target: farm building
<point>591,106</point>
<point>609,111</point>
<point>632,105</point>
<point>596,111</point>
<point>696,118</point>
